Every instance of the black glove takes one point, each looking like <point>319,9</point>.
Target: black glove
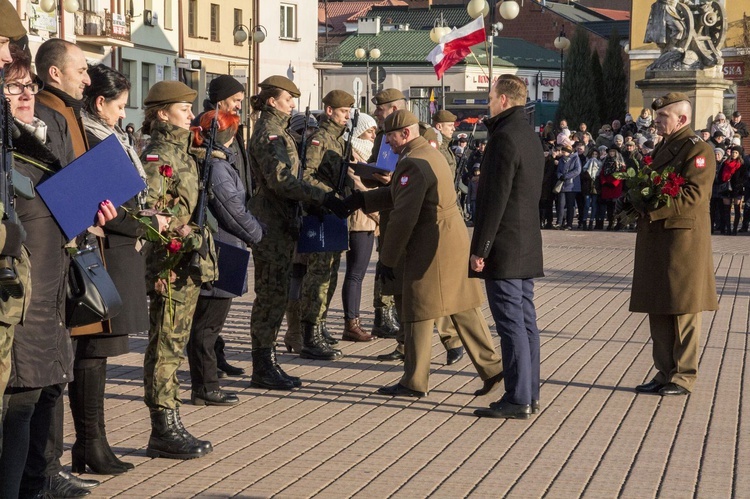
<point>355,202</point>
<point>14,236</point>
<point>386,274</point>
<point>336,205</point>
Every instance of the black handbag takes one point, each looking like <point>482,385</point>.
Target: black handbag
<point>92,296</point>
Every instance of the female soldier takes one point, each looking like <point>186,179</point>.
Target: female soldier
<point>173,179</point>
<point>274,164</point>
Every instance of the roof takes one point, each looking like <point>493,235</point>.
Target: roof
<point>575,13</point>
<point>341,12</point>
<point>604,28</point>
<point>454,15</point>
<point>615,15</point>
<point>412,46</point>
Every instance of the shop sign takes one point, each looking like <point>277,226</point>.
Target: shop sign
<point>734,70</point>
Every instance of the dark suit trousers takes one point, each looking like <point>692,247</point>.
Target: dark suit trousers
<point>208,320</point>
<point>512,304</point>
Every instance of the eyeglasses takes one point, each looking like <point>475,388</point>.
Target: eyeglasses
<point>18,88</point>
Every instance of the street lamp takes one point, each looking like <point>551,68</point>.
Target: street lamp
<point>49,6</point>
<point>439,30</point>
<point>561,43</point>
<point>255,35</point>
<point>367,54</point>
<point>509,9</point>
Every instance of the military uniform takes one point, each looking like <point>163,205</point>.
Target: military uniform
<point>171,311</point>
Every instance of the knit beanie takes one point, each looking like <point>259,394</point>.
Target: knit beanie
<point>222,87</point>
<point>364,123</point>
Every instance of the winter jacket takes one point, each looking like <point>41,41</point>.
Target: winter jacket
<point>569,170</point>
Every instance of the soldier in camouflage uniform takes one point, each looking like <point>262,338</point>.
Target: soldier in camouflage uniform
<point>168,116</point>
<point>445,123</point>
<point>325,157</point>
<point>275,165</point>
<point>11,233</point>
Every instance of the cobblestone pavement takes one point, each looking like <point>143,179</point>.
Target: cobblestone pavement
<point>594,437</point>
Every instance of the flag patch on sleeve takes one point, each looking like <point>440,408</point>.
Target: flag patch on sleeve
<point>152,157</point>
<point>273,137</point>
<point>315,142</point>
<point>700,162</point>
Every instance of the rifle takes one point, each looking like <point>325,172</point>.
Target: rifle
<point>202,205</point>
<point>464,162</point>
<point>347,155</point>
<point>303,154</point>
<point>9,280</point>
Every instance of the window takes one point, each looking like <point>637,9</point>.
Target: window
<point>148,74</point>
<point>237,20</point>
<point>548,95</point>
<point>193,18</point>
<point>129,69</point>
<point>288,22</point>
<point>167,14</point>
<point>214,22</point>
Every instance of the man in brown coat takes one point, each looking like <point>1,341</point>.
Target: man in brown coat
<point>427,235</point>
<point>673,277</point>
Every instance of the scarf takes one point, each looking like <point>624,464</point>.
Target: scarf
<point>643,123</point>
<point>611,165</point>
<point>37,127</point>
<point>69,101</point>
<point>363,147</point>
<point>729,168</point>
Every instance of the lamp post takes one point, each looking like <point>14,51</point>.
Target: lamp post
<point>561,43</point>
<point>50,6</point>
<point>508,9</point>
<point>255,35</point>
<point>439,30</point>
<point>367,54</point>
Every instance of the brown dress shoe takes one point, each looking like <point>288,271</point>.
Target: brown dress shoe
<point>354,332</point>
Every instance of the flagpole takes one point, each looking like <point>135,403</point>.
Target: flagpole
<point>477,61</point>
<point>442,90</point>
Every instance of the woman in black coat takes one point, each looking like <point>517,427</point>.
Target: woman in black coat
<point>103,106</point>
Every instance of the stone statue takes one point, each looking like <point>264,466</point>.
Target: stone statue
<point>690,34</point>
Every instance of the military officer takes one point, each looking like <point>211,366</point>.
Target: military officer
<point>445,122</point>
<point>274,163</point>
<point>172,299</point>
<point>673,275</point>
<point>427,235</point>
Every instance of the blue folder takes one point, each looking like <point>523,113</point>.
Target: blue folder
<point>232,265</point>
<point>73,194</point>
<point>318,236</point>
<point>387,159</point>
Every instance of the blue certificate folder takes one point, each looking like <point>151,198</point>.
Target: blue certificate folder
<point>329,235</point>
<point>73,194</point>
<point>387,159</point>
<point>232,264</point>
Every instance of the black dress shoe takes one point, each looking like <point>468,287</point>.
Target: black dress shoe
<point>78,482</point>
<point>59,486</point>
<point>489,384</point>
<point>399,390</point>
<point>454,355</point>
<point>652,386</point>
<point>394,355</point>
<point>230,370</point>
<point>220,374</point>
<point>216,397</point>
<point>504,410</point>
<point>673,389</point>
<point>535,407</point>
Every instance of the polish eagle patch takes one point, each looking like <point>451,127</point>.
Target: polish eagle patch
<point>700,162</point>
<point>404,180</point>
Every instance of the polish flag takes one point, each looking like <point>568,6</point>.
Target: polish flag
<point>454,46</point>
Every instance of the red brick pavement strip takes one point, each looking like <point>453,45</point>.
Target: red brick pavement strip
<point>594,437</point>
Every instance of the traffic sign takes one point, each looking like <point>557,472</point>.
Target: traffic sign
<point>377,74</point>
<point>357,87</point>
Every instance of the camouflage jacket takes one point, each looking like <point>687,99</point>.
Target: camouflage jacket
<point>445,150</point>
<point>274,164</point>
<point>324,152</point>
<point>170,145</point>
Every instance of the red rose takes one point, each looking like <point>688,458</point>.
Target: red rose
<point>648,160</point>
<point>657,180</point>
<point>671,189</point>
<point>174,246</point>
<point>678,180</point>
<point>166,171</point>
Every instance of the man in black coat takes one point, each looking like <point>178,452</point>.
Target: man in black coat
<point>506,250</point>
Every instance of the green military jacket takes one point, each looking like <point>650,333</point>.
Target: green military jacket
<point>274,164</point>
<point>445,150</point>
<point>170,145</point>
<point>324,152</point>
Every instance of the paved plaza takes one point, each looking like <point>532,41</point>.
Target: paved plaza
<point>594,437</point>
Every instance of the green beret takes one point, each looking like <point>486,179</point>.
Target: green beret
<point>388,95</point>
<point>444,116</point>
<point>668,99</point>
<point>10,23</point>
<point>338,98</point>
<point>400,119</point>
<point>281,82</point>
<point>169,92</point>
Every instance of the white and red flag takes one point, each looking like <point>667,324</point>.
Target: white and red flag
<point>456,45</point>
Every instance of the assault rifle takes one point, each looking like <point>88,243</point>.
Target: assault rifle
<point>201,207</point>
<point>463,165</point>
<point>346,157</point>
<point>303,154</point>
<point>9,280</point>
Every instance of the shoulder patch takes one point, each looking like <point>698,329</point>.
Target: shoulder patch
<point>700,162</point>
<point>695,139</point>
<point>404,180</point>
<point>315,142</point>
<point>273,137</point>
<point>434,144</point>
<point>152,157</point>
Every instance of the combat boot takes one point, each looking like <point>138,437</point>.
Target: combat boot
<point>327,334</point>
<point>314,346</point>
<point>296,381</point>
<point>203,444</point>
<point>354,332</point>
<point>166,439</point>
<point>293,335</point>
<point>391,319</point>
<point>380,328</point>
<point>265,374</point>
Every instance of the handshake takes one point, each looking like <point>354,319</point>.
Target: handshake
<point>347,206</point>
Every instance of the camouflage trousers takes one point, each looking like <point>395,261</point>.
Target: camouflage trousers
<point>379,300</point>
<point>167,336</point>
<point>12,311</point>
<point>272,260</point>
<point>319,285</point>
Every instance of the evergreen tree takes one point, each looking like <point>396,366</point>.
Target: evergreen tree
<point>576,102</point>
<point>615,81</point>
<point>598,81</point>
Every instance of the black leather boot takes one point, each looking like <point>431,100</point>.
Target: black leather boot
<point>91,448</point>
<point>391,319</point>
<point>203,444</point>
<point>296,381</point>
<point>383,325</point>
<point>265,374</point>
<point>315,346</point>
<point>166,438</point>
<point>327,335</point>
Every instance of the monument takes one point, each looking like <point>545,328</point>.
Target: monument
<point>690,35</point>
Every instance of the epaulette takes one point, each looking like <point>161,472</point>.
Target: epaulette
<point>695,139</point>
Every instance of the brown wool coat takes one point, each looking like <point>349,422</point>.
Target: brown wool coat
<point>674,271</point>
<point>427,233</point>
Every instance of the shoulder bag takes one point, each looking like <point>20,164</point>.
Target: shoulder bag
<point>92,296</point>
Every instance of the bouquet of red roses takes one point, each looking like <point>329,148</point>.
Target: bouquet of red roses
<point>648,190</point>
